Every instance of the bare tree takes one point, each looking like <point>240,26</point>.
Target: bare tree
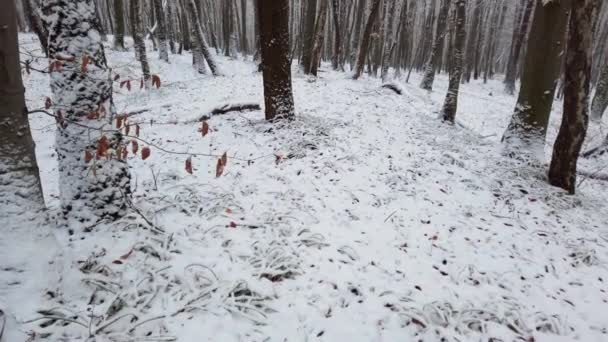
<point>448,113</point>
<point>440,31</point>
<point>32,11</point>
<point>161,31</point>
<point>309,35</point>
<point>319,37</point>
<point>200,39</point>
<point>365,41</point>
<point>562,172</point>
<point>600,99</point>
<point>139,44</point>
<point>273,21</point>
<point>20,190</point>
<point>519,38</point>
<point>119,25</point>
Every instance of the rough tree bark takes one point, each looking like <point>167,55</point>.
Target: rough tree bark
<point>358,23</point>
<point>389,43</point>
<point>448,113</point>
<point>365,41</point>
<point>473,34</point>
<point>273,21</point>
<point>20,190</point>
<point>119,25</point>
<point>600,99</point>
<point>139,45</point>
<point>520,37</point>
<point>200,39</point>
<point>99,189</point>
<point>527,130</point>
<point>429,69</point>
<point>161,31</point>
<point>562,172</point>
<point>244,41</point>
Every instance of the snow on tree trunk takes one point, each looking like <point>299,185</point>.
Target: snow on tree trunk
<point>429,69</point>
<point>161,31</point>
<point>200,39</point>
<point>600,99</point>
<point>99,189</point>
<point>139,44</point>
<point>119,26</point>
<point>365,41</point>
<point>273,21</point>
<point>519,37</point>
<point>528,127</point>
<point>20,190</point>
<point>575,120</point>
<point>448,113</point>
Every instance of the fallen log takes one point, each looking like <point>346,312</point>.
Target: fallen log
<point>394,87</point>
<point>228,108</point>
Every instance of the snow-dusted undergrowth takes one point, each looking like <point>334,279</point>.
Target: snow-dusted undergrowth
<point>375,223</point>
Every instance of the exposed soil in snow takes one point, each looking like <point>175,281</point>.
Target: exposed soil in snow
<point>376,222</point>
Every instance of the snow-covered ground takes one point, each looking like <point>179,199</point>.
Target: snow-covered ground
<point>376,222</point>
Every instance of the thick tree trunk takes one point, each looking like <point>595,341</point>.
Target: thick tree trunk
<point>119,25</point>
<point>20,190</point>
<point>309,35</point>
<point>200,39</point>
<point>171,26</point>
<point>562,172</point>
<point>450,105</point>
<point>528,126</point>
<point>161,31</point>
<point>600,99</point>
<point>519,38</point>
<point>99,189</point>
<point>273,18</point>
<point>356,39</point>
<point>429,70</point>
<point>139,45</point>
<point>365,41</point>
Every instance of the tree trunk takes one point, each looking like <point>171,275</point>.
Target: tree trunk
<point>119,25</point>
<point>273,20</point>
<point>451,100</point>
<point>99,189</point>
<point>20,190</point>
<point>429,70</point>
<point>365,41</point>
<point>200,39</point>
<point>139,45</point>
<point>309,35</point>
<point>528,126</point>
<point>519,38</point>
<point>244,42</point>
<point>472,52</point>
<point>32,10</point>
<point>562,172</point>
<point>319,37</point>
<point>337,49</point>
<point>161,31</point>
<point>357,35</point>
<point>600,99</point>
<point>389,41</point>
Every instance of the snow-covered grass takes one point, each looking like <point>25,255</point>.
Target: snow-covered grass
<point>376,223</point>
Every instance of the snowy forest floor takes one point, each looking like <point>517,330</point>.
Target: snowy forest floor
<point>379,223</point>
